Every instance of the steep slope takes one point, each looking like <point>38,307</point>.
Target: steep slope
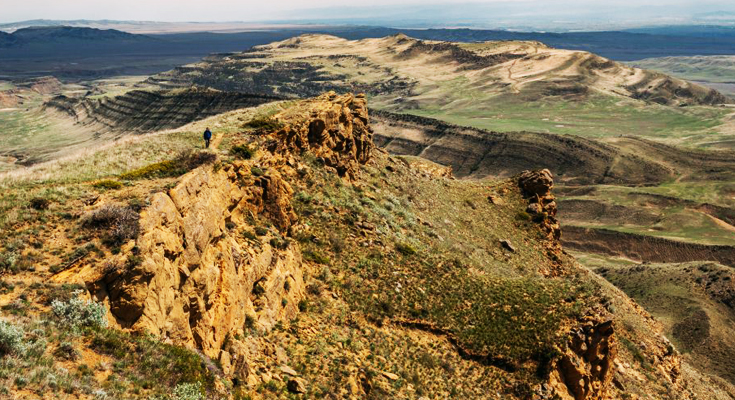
<point>141,111</point>
<point>478,153</point>
<point>713,71</point>
<point>693,300</point>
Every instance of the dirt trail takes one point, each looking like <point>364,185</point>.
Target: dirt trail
<point>510,72</point>
<point>216,141</point>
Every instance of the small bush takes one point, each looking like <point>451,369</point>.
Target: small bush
<point>256,171</point>
<point>316,257</point>
<point>7,262</point>
<point>11,339</point>
<point>121,223</point>
<point>67,351</point>
<point>107,184</point>
<point>261,231</point>
<point>249,236</point>
<point>242,151</point>
<point>264,125</point>
<point>80,313</point>
<point>523,216</point>
<point>280,244</point>
<point>183,391</point>
<point>405,249</point>
<point>39,203</point>
<point>183,163</point>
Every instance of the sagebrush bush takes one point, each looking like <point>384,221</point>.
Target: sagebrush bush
<point>120,222</point>
<point>183,391</point>
<point>242,151</point>
<point>264,125</point>
<point>11,339</point>
<point>80,313</point>
<point>39,203</point>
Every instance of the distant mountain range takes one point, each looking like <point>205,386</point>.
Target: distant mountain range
<point>66,35</point>
<point>83,52</point>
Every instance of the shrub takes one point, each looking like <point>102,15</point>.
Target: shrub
<point>183,391</point>
<point>256,171</point>
<point>121,223</point>
<point>263,125</point>
<point>316,257</point>
<point>405,249</point>
<point>7,262</point>
<point>39,203</point>
<point>242,151</point>
<point>249,236</point>
<point>107,184</point>
<point>280,244</point>
<point>67,351</point>
<point>156,170</point>
<point>80,313</point>
<point>183,163</point>
<point>11,339</point>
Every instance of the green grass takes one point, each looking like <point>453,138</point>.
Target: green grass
<point>140,365</point>
<point>678,221</point>
<point>598,117</point>
<point>454,277</point>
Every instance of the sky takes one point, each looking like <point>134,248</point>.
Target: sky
<point>262,10</point>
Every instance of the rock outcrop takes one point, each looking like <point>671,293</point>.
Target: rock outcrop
<point>213,261</point>
<point>585,369</point>
<point>337,132</point>
<point>536,187</point>
<point>199,279</point>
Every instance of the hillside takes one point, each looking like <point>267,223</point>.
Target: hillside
<point>405,70</point>
<point>292,226</point>
<point>713,71</point>
<point>499,86</point>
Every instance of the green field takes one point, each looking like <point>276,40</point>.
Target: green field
<point>599,117</point>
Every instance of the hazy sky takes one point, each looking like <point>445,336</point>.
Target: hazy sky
<point>248,10</point>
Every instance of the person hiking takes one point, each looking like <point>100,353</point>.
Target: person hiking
<point>207,137</point>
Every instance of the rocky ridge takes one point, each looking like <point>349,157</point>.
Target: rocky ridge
<point>200,284</point>
<point>230,255</point>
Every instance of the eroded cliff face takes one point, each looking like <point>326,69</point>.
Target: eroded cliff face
<point>214,261</point>
<point>199,278</point>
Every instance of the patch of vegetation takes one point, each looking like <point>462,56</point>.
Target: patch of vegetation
<point>39,203</point>
<point>78,313</point>
<point>242,151</point>
<point>264,125</point>
<point>11,339</point>
<point>183,391</point>
<point>118,223</point>
<point>256,171</point>
<point>71,258</point>
<point>315,256</point>
<point>405,249</point>
<point>183,163</point>
<point>107,184</point>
